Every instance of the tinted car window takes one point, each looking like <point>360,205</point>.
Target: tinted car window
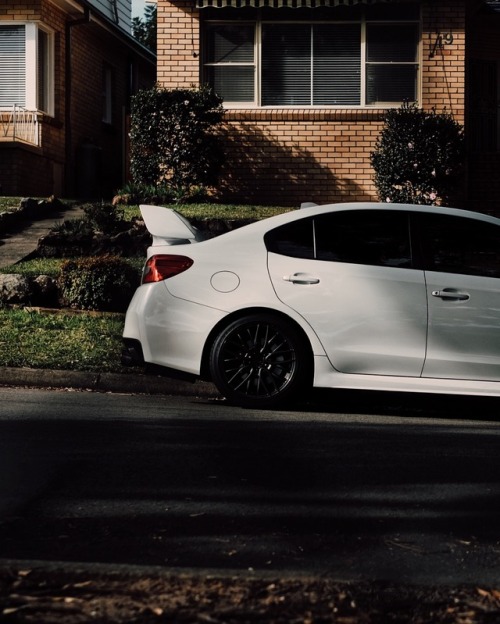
<point>293,239</point>
<point>376,237</point>
<point>460,245</point>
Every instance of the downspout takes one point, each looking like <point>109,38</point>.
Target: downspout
<point>68,100</point>
<point>115,11</point>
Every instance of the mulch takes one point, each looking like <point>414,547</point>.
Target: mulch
<point>46,596</point>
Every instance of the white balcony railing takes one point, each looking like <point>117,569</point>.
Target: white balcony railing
<point>20,124</point>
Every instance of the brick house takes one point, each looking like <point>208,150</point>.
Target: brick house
<point>306,84</point>
<point>67,71</point>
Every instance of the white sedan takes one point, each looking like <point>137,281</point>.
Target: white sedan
<point>359,295</point>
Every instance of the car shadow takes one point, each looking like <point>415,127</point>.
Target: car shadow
<point>407,404</point>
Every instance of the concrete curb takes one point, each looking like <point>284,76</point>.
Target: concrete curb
<point>105,382</point>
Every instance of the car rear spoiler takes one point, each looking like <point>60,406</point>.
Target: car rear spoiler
<point>168,227</point>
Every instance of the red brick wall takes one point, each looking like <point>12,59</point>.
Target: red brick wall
<point>60,155</point>
<point>178,36</point>
<point>26,10</point>
<point>24,171</point>
<point>443,75</point>
<point>284,156</point>
<point>290,157</point>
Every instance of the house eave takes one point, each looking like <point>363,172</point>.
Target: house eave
<point>71,7</point>
<point>81,8</point>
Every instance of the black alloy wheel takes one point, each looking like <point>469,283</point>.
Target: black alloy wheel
<point>260,361</point>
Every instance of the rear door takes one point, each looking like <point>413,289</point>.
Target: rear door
<point>349,274</point>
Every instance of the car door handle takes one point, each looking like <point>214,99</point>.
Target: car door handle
<point>450,293</point>
<point>301,278</point>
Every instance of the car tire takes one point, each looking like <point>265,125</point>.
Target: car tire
<point>261,361</point>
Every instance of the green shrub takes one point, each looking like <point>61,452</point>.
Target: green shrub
<point>173,138</point>
<point>418,157</point>
<point>104,218</point>
<point>104,283</point>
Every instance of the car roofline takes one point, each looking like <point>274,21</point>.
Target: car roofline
<point>341,206</point>
<point>393,206</point>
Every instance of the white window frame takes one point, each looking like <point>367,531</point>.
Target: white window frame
<point>48,72</point>
<point>257,63</point>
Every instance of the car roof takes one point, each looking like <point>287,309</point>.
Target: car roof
<point>460,212</point>
<point>270,223</point>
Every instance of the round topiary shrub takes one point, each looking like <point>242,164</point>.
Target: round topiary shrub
<point>418,157</point>
<point>104,283</point>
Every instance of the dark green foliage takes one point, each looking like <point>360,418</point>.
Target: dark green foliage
<point>104,218</point>
<point>173,137</point>
<point>144,29</point>
<point>98,283</point>
<point>418,157</point>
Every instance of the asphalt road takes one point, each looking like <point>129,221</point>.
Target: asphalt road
<point>404,488</point>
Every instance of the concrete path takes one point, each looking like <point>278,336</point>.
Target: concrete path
<point>23,238</point>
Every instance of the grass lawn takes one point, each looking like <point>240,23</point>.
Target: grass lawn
<point>61,341</point>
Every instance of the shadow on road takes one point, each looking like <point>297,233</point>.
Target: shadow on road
<point>405,404</point>
<point>384,499</point>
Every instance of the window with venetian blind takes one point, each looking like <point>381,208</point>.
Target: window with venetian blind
<point>371,60</point>
<point>26,67</point>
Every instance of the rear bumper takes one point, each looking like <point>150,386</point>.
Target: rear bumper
<point>132,354</point>
<point>167,331</point>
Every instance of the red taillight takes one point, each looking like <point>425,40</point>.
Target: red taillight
<point>162,267</point>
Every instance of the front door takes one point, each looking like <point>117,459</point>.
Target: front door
<point>462,257</point>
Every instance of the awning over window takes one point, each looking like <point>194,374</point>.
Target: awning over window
<point>276,4</point>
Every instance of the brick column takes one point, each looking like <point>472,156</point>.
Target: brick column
<point>178,44</point>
